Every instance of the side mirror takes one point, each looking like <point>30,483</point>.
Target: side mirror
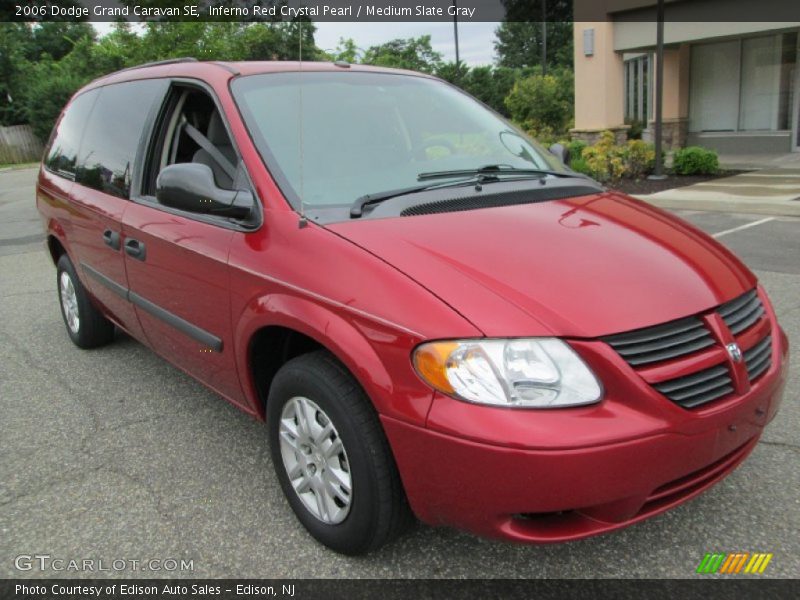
<point>560,152</point>
<point>191,187</point>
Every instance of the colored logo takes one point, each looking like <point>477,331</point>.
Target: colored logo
<point>734,352</point>
<point>734,563</point>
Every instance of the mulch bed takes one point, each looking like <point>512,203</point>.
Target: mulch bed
<point>649,186</point>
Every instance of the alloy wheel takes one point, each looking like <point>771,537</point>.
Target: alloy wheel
<point>315,460</point>
<point>69,302</point>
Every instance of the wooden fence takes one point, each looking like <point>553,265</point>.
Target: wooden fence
<point>19,145</point>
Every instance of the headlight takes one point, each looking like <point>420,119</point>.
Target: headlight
<point>523,373</point>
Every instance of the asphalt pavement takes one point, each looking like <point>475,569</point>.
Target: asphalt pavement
<point>113,454</point>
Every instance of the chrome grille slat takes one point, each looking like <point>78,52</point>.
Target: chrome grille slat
<point>758,351</point>
<point>751,303</point>
<point>745,320</point>
<point>742,313</point>
<point>754,374</point>
<point>694,391</point>
<point>675,352</point>
<point>698,388</point>
<point>674,385</point>
<point>662,342</point>
<point>638,336</point>
<point>687,336</point>
<point>666,342</point>
<point>708,397</point>
<point>759,358</point>
<point>758,347</point>
<point>732,306</point>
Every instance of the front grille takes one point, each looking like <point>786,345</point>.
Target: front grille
<point>741,313</point>
<point>759,358</point>
<point>699,388</point>
<point>663,342</point>
<point>682,340</point>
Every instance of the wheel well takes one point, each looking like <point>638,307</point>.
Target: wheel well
<point>55,248</point>
<point>271,348</point>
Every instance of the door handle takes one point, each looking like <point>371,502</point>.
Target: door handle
<point>135,249</point>
<point>111,238</point>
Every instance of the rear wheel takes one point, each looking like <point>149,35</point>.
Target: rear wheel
<point>332,458</point>
<point>86,326</point>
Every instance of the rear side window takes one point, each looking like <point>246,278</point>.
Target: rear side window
<point>62,157</point>
<point>113,132</point>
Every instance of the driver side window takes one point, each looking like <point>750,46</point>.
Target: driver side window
<point>192,131</point>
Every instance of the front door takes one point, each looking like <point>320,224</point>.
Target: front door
<point>178,278</point>
<point>177,262</point>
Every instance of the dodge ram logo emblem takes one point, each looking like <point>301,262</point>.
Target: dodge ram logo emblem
<point>734,352</point>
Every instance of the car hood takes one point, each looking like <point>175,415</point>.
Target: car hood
<point>582,267</point>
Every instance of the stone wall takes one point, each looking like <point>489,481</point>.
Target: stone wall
<point>674,133</point>
<point>591,136</point>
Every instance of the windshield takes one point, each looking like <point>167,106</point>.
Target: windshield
<point>335,137</point>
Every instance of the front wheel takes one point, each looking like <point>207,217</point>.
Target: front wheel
<point>332,458</point>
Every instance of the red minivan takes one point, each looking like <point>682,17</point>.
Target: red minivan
<point>434,315</point>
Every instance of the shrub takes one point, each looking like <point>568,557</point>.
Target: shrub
<point>543,134</point>
<point>575,148</point>
<point>605,160</point>
<point>609,161</point>
<point>579,166</point>
<point>542,102</point>
<point>694,160</point>
<point>640,158</point>
<point>636,129</point>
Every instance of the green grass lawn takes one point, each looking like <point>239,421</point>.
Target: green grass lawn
<point>18,165</point>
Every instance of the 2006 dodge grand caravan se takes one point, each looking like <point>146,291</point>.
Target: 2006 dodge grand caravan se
<point>433,314</point>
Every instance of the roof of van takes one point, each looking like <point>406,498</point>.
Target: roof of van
<point>188,67</point>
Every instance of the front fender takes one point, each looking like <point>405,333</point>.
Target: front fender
<point>376,353</point>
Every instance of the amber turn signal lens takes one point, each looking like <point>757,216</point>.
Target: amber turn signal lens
<point>430,360</point>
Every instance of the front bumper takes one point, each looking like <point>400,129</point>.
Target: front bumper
<point>520,475</point>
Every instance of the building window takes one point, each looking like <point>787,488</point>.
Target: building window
<point>637,89</point>
<point>743,85</point>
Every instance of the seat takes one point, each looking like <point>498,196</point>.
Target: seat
<point>218,136</point>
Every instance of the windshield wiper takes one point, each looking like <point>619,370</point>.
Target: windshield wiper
<point>491,171</point>
<point>357,209</point>
<point>480,175</point>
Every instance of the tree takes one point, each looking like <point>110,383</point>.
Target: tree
<point>452,72</point>
<point>519,37</point>
<point>346,50</point>
<point>22,47</point>
<point>47,90</point>
<point>415,54</point>
<point>491,85</point>
<point>118,49</point>
<point>543,104</point>
<point>228,41</point>
<point>42,65</point>
<point>57,39</point>
<point>14,41</point>
<point>519,44</point>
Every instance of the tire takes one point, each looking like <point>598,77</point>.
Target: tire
<point>375,511</point>
<point>86,326</point>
